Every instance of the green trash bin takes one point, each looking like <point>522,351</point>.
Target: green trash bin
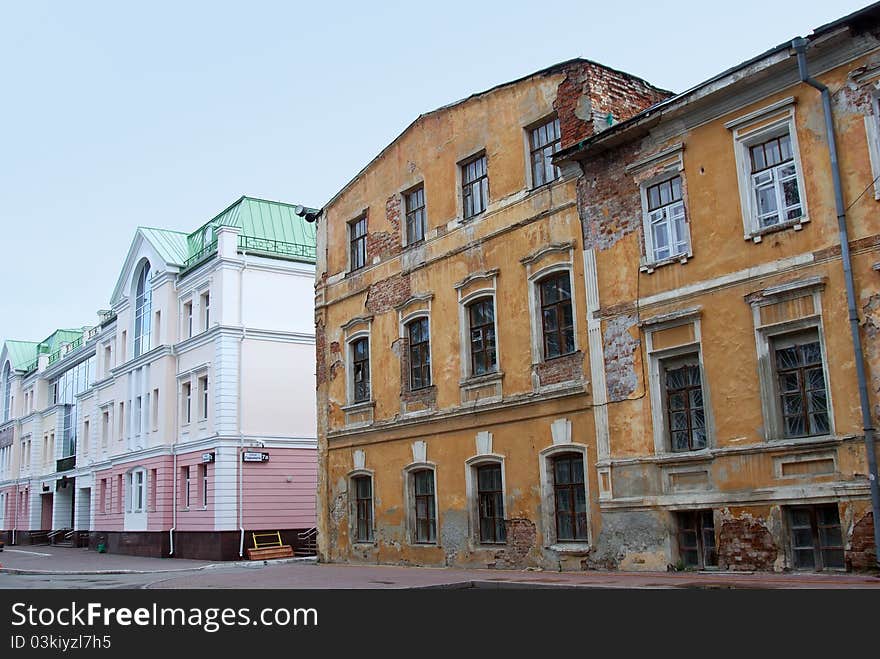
<point>102,548</point>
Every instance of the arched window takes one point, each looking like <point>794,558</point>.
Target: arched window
<point>7,392</point>
<point>142,310</point>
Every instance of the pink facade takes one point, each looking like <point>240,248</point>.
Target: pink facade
<point>270,499</point>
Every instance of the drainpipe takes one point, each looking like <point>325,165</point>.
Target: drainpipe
<point>174,470</point>
<point>800,47</point>
<point>240,433</point>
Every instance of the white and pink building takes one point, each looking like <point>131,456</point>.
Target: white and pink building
<point>185,419</point>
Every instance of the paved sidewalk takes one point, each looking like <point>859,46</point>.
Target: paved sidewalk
<point>34,566</point>
<point>40,559</point>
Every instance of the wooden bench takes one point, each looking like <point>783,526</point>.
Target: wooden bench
<point>268,545</point>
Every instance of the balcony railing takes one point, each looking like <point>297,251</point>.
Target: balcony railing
<point>65,349</point>
<point>203,254</point>
<point>294,251</point>
<point>30,368</point>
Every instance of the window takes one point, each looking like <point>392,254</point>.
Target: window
<point>770,177</point>
<point>86,438</point>
<point>816,538</point>
<point>360,371</point>
<point>203,479</point>
<point>425,506</point>
<point>138,491</point>
<point>474,186</point>
<point>121,420</point>
<point>103,495</point>
<point>123,344</point>
<point>481,315</point>
<point>557,320</point>
<point>105,428</point>
<point>120,494</point>
<point>570,497</point>
<point>363,499</point>
<point>696,539</point>
<point>416,224</point>
<point>801,390</point>
<point>153,487</point>
<point>138,416</point>
<point>7,392</point>
<point>774,182</point>
<point>186,402</point>
<point>419,354</point>
<point>203,396</point>
<point>357,238</point>
<point>155,410</point>
<point>142,311</point>
<point>491,504</point>
<point>185,484</point>
<point>188,319</point>
<point>206,310</point>
<point>666,233</point>
<point>683,403</point>
<point>544,141</point>
<point>108,359</point>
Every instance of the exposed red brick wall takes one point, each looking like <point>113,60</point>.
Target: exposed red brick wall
<point>320,350</point>
<point>521,539</point>
<point>562,369</point>
<point>590,91</point>
<point>384,295</point>
<point>862,554</point>
<point>744,543</point>
<point>385,244</point>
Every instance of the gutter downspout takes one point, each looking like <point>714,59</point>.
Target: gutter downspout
<point>800,46</point>
<point>240,434</point>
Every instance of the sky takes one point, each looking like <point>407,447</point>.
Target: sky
<point>117,115</point>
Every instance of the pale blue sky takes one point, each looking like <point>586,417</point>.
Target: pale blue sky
<point>115,115</point>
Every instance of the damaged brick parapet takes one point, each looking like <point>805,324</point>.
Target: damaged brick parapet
<point>591,92</point>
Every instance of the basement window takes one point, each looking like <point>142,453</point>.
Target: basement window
<point>696,539</point>
<point>816,537</point>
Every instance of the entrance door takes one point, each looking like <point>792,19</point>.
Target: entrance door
<point>46,512</point>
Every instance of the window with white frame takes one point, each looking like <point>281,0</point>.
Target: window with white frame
<point>666,231</point>
<point>203,398</point>
<point>142,311</point>
<point>137,481</point>
<point>187,319</point>
<point>769,169</point>
<point>205,300</point>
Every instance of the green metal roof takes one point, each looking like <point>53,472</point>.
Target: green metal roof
<point>58,338</point>
<point>260,219</point>
<point>21,353</point>
<point>171,245</point>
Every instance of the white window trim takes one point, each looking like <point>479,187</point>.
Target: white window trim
<point>472,490</point>
<point>488,289</point>
<point>548,498</point>
<point>648,262</point>
<point>352,507</point>
<point>662,441</point>
<point>537,326</point>
<point>745,135</point>
<point>764,335</point>
<point>527,151</point>
<point>409,502</point>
